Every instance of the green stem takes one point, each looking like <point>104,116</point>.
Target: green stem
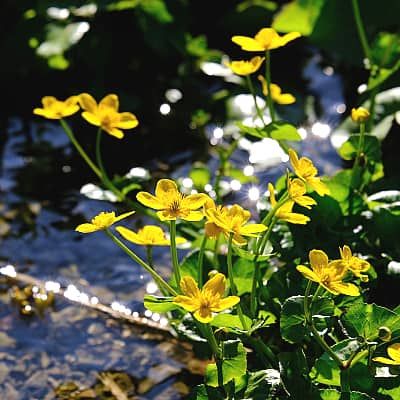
<point>149,253</point>
<point>78,147</point>
<point>157,278</point>
<point>268,79</point>
<point>357,161</point>
<point>106,180</point>
<point>174,253</point>
<point>215,255</point>
<point>345,384</point>
<point>316,335</point>
<point>201,260</point>
<point>361,31</point>
<point>232,283</point>
<point>263,352</point>
<point>252,91</point>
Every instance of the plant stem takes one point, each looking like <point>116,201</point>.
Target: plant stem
<point>215,255</point>
<point>268,79</point>
<point>345,384</point>
<point>200,261</point>
<point>157,278</point>
<point>106,180</point>
<point>361,31</point>
<point>232,283</point>
<point>357,161</point>
<point>174,253</point>
<point>149,253</point>
<point>79,148</point>
<point>316,335</point>
<point>252,91</point>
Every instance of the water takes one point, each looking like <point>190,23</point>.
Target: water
<point>41,205</point>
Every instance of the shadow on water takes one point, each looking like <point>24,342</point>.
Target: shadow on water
<point>40,180</point>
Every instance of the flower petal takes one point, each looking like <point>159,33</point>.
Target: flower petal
<point>212,230</point>
<point>125,215</point>
<point>48,101</point>
<point>86,228</point>
<point>203,315</point>
<point>227,302</point>
<point>165,187</point>
<point>385,360</point>
<point>216,285</point>
<point>292,218</point>
<point>127,121</point>
<point>110,101</point>
<point>129,235</point>
<point>87,102</point>
<point>189,287</point>
<point>165,215</point>
<point>248,43</point>
<point>305,201</point>
<point>348,289</point>
<point>91,118</point>
<point>46,113</point>
<point>318,260</point>
<point>394,352</point>
<point>237,239</point>
<point>114,132</point>
<point>308,273</point>
<point>194,201</point>
<point>193,216</point>
<point>149,200</point>
<point>285,99</point>
<point>188,303</point>
<point>252,229</point>
<point>318,186</point>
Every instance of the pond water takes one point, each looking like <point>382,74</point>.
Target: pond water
<point>71,342</point>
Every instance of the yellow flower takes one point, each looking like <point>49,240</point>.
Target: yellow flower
<point>305,170</point>
<point>203,303</point>
<point>328,275</point>
<point>106,115</point>
<point>149,235</point>
<point>285,212</point>
<point>297,189</point>
<point>265,39</point>
<point>359,114</point>
<point>354,264</point>
<point>276,92</point>
<point>171,203</point>
<point>233,220</point>
<point>101,221</point>
<point>394,353</point>
<point>57,109</point>
<point>246,67</point>
<point>211,229</point>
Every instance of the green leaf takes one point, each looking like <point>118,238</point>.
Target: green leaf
<point>200,175</point>
<point>332,394</point>
<point>252,131</point>
<point>229,321</point>
<point>293,324</point>
<point>365,320</point>
<point>385,49</point>
<point>268,5</point>
<point>327,372</point>
<point>372,148</point>
<point>382,75</point>
<point>250,256</point>
<point>262,383</point>
<point>128,188</point>
<point>159,304</point>
<point>203,392</point>
<point>157,9</point>
<point>282,131</point>
<point>197,46</point>
<point>299,15</point>
<point>243,271</point>
<point>234,364</point>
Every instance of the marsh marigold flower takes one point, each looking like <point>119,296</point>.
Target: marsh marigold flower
<point>211,230</point>
<point>171,204</point>
<point>394,353</point>
<point>352,263</point>
<point>297,190</point>
<point>276,92</point>
<point>105,114</point>
<point>245,67</point>
<point>328,275</point>
<point>203,303</point>
<point>57,109</point>
<point>149,235</point>
<point>233,220</point>
<point>306,171</point>
<point>285,211</point>
<point>102,221</point>
<point>265,39</point>
<point>359,114</point>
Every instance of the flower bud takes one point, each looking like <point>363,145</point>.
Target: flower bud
<point>385,334</point>
<point>359,114</point>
